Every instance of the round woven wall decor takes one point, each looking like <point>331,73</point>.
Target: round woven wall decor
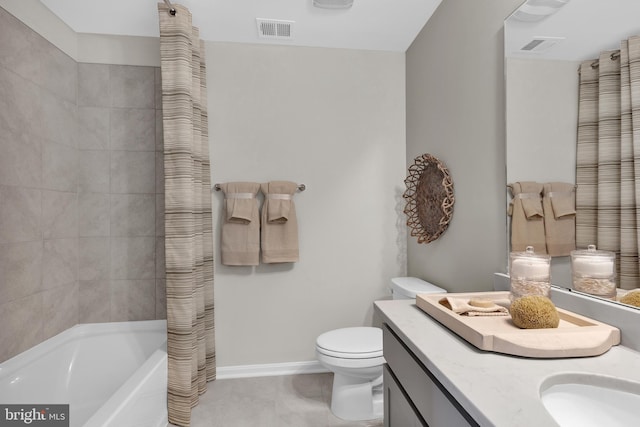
<point>429,196</point>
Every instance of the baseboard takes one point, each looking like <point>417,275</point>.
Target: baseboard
<point>270,369</point>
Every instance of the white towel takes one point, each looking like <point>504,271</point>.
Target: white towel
<point>240,236</point>
<point>279,241</point>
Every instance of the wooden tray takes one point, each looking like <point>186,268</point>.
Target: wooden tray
<point>576,336</point>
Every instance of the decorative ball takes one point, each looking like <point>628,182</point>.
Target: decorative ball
<point>631,298</point>
<point>534,312</point>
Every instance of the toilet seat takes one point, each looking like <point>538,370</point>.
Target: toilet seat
<point>351,343</point>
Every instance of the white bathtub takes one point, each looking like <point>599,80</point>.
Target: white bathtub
<point>110,374</point>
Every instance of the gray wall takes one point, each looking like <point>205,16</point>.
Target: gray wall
<point>77,230</point>
<point>455,111</point>
<point>334,120</point>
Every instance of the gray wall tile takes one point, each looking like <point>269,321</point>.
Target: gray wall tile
<point>59,263</point>
<point>20,270</point>
<point>59,167</point>
<point>60,309</point>
<point>59,72</point>
<point>159,214</point>
<point>93,171</point>
<point>58,119</point>
<point>159,131</point>
<point>73,134</point>
<point>94,301</point>
<point>17,45</point>
<point>133,172</point>
<point>132,87</point>
<point>21,159</point>
<point>161,299</point>
<point>93,258</point>
<point>20,214</point>
<point>19,106</point>
<point>59,214</point>
<point>133,129</point>
<point>133,215</point>
<point>22,323</point>
<point>93,128</point>
<point>132,258</point>
<point>93,85</point>
<point>93,214</point>
<point>160,258</point>
<point>130,300</point>
<point>158,88</point>
<point>160,173</point>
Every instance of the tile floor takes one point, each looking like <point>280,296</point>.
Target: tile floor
<point>283,401</point>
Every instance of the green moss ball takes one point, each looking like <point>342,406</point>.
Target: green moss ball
<point>534,312</point>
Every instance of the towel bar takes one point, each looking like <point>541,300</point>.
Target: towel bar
<point>301,187</point>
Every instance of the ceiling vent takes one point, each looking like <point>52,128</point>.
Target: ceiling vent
<point>333,4</point>
<point>275,29</point>
<point>540,44</point>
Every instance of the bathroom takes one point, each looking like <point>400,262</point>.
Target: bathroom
<point>348,136</point>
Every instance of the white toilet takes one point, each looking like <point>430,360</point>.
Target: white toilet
<point>354,355</point>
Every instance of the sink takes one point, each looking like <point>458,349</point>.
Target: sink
<point>586,400</point>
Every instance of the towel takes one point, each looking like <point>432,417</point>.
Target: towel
<point>279,241</point>
<point>527,217</point>
<point>470,307</point>
<point>240,237</point>
<point>559,203</point>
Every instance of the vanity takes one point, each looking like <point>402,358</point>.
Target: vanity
<point>435,378</point>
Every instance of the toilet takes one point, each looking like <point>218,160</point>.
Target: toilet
<point>354,355</point>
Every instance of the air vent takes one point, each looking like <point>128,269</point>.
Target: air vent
<point>333,4</point>
<point>275,29</point>
<point>540,44</point>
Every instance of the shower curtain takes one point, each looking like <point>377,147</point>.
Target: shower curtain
<point>188,224</point>
<point>608,158</point>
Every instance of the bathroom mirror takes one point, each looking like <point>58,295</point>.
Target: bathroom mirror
<point>545,41</point>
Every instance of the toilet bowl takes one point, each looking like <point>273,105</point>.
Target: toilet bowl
<point>354,355</point>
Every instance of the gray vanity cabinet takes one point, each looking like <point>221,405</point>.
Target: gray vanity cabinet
<point>413,396</point>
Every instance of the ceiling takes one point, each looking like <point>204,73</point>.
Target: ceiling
<point>582,29</point>
<point>389,25</point>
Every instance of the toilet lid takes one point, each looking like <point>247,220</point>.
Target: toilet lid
<point>358,342</point>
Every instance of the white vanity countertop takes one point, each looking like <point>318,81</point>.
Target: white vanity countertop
<point>495,389</point>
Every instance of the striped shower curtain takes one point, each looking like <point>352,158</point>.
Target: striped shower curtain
<point>608,158</point>
<point>188,223</point>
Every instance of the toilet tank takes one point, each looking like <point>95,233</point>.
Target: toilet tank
<point>408,287</point>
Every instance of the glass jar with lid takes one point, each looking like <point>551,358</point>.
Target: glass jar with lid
<point>594,272</point>
<point>530,273</point>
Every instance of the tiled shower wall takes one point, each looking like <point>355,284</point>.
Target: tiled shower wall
<point>81,191</point>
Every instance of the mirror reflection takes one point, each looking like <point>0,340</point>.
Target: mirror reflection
<point>546,41</point>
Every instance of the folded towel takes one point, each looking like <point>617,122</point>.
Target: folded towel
<point>465,306</point>
<point>279,223</point>
<point>527,217</point>
<point>241,207</point>
<point>559,202</point>
<point>240,236</point>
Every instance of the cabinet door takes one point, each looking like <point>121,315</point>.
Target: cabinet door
<point>431,400</point>
<point>398,411</point>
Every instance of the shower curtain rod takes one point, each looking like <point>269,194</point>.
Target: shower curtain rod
<point>615,55</point>
<point>172,10</point>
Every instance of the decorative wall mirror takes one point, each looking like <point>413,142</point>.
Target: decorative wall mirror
<point>429,197</point>
<point>542,56</point>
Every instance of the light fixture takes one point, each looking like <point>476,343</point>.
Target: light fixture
<point>333,4</point>
<point>537,10</point>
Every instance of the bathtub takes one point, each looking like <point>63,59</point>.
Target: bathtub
<point>110,374</point>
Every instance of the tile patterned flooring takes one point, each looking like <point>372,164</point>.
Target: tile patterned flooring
<point>282,401</point>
